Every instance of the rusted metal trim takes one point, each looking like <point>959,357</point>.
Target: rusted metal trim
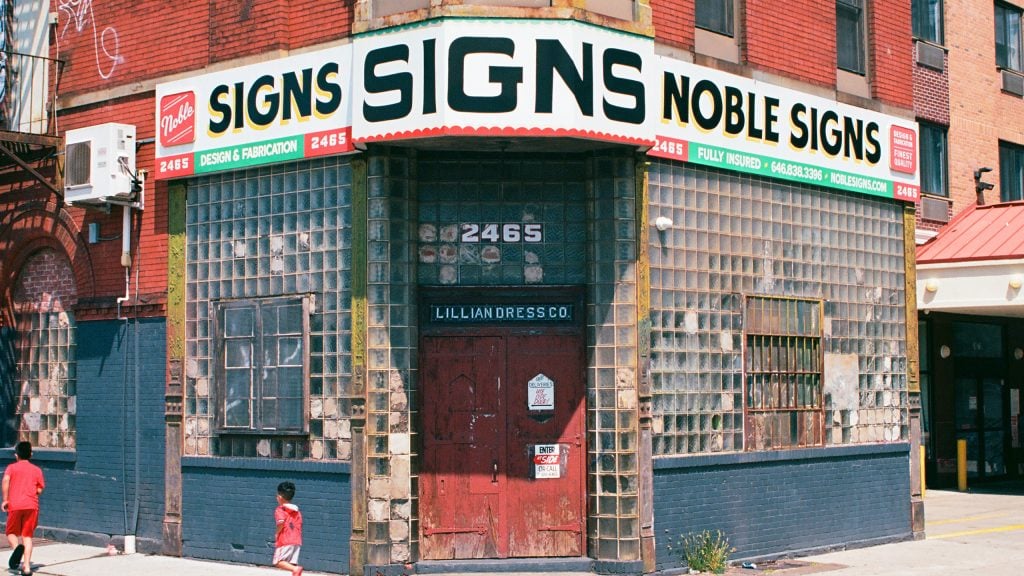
<point>574,528</point>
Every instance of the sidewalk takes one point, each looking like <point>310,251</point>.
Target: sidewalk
<point>58,559</point>
<point>967,533</point>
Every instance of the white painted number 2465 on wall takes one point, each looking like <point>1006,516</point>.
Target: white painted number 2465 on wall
<point>474,233</point>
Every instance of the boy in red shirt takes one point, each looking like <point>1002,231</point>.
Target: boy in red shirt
<point>22,485</point>
<point>288,535</point>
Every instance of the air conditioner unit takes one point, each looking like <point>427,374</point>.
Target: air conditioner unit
<point>99,165</point>
<point>1013,83</point>
<point>931,56</point>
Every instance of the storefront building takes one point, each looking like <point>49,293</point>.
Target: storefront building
<point>508,283</point>
<point>968,89</point>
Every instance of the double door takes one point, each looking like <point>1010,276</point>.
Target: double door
<point>503,436</point>
<point>981,410</point>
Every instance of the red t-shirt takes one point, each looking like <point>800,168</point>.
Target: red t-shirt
<point>25,481</point>
<point>289,517</point>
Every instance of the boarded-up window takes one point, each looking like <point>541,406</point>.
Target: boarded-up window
<point>783,401</point>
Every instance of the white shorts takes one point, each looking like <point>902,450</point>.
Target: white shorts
<point>289,554</point>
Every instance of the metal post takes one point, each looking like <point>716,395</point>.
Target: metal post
<point>922,459</point>
<point>961,465</point>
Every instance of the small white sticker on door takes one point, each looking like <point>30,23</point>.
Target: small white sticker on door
<point>540,393</point>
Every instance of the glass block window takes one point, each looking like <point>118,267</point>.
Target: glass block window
<point>502,221</point>
<point>262,361</point>
<point>46,379</point>
<point>783,362</point>
<point>257,240</point>
<point>735,237</point>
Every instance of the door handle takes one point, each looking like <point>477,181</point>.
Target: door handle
<point>494,474</point>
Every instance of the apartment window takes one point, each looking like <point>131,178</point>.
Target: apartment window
<point>1011,172</point>
<point>933,159</point>
<point>716,16</point>
<point>850,35</point>
<point>262,365</point>
<point>1008,41</point>
<point>927,20</point>
<point>783,359</point>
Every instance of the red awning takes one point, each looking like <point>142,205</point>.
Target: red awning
<point>994,232</point>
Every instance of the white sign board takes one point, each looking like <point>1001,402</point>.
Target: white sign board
<point>292,108</point>
<point>526,78</point>
<point>547,461</point>
<point>540,393</point>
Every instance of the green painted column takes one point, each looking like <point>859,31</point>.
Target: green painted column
<point>174,393</point>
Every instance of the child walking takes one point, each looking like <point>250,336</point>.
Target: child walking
<point>288,535</point>
<point>22,484</point>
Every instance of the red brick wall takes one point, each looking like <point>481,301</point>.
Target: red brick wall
<point>673,22</point>
<point>115,45</point>
<point>31,218</point>
<point>46,282</point>
<point>981,114</point>
<point>890,52</point>
<point>149,251</point>
<point>121,41</point>
<point>797,39</point>
<point>931,94</point>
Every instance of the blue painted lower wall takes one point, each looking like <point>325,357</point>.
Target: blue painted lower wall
<point>228,510</point>
<point>113,482</point>
<point>769,504</point>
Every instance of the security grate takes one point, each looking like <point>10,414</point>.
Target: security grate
<point>783,395</point>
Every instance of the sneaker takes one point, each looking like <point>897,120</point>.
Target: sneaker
<point>15,559</point>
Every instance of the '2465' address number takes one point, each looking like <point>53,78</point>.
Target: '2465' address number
<point>514,232</point>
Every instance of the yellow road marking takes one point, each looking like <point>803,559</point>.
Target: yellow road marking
<point>964,519</point>
<point>1008,528</point>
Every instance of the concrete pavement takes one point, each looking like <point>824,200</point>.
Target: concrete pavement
<point>967,533</point>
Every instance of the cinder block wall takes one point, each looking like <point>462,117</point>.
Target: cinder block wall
<point>228,510</point>
<point>91,491</point>
<point>776,503</point>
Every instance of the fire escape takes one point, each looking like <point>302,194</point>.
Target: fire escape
<point>29,140</point>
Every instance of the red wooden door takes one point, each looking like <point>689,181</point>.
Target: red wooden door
<point>547,516</point>
<point>461,498</point>
<point>479,494</point>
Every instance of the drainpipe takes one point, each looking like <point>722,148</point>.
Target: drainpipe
<point>126,258</point>
<point>130,526</point>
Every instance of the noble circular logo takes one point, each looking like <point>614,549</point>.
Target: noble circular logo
<point>178,119</point>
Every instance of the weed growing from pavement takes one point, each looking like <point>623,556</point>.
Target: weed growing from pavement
<point>706,551</point>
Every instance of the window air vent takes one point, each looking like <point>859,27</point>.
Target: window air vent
<point>934,209</point>
<point>931,56</point>
<point>1013,83</point>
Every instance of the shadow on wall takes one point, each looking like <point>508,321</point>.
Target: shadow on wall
<point>8,391</point>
